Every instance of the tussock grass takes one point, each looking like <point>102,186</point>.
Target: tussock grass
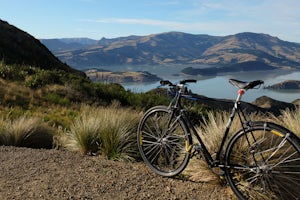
<point>84,132</point>
<point>211,130</point>
<point>110,131</point>
<point>289,119</point>
<point>26,132</point>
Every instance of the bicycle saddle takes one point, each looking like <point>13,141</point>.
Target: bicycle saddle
<point>245,85</point>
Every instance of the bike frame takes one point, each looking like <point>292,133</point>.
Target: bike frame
<point>179,111</point>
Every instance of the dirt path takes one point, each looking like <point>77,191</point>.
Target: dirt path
<point>54,174</point>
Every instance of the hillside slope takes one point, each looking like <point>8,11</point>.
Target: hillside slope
<point>18,47</point>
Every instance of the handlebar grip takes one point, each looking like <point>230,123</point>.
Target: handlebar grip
<point>165,82</point>
<point>253,84</point>
<point>188,81</point>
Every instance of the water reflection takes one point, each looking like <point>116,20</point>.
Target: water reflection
<point>219,87</point>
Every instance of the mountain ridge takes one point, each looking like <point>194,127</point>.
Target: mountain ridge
<point>185,49</point>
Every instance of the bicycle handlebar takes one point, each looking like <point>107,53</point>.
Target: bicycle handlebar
<point>166,82</point>
<point>169,83</point>
<point>188,81</point>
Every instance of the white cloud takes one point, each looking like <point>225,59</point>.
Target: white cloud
<point>222,17</point>
<point>148,22</point>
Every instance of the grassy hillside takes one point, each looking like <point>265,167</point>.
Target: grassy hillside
<point>46,108</point>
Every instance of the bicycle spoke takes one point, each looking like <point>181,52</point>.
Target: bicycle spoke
<point>286,187</point>
<point>269,168</point>
<point>277,149</point>
<point>162,142</point>
<point>284,160</point>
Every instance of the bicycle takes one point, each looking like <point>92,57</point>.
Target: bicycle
<point>260,161</point>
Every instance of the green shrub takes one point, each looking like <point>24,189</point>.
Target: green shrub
<point>57,99</point>
<point>44,77</point>
<point>11,72</point>
<point>59,116</point>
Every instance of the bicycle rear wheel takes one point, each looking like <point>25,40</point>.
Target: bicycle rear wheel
<point>163,141</point>
<point>264,163</point>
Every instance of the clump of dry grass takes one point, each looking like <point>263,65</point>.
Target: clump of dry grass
<point>289,119</point>
<point>84,132</point>
<point>211,131</point>
<point>213,127</point>
<point>26,132</point>
<point>118,132</point>
<point>108,130</point>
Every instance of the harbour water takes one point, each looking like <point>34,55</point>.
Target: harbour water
<point>219,87</point>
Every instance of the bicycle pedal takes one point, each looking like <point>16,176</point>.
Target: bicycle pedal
<point>198,147</point>
<point>218,171</point>
<point>197,154</point>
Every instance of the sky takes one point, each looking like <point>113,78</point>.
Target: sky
<point>46,19</point>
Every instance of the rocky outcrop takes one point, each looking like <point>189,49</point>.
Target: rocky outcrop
<point>121,77</point>
<point>296,102</point>
<point>286,85</point>
<point>272,105</point>
<point>262,104</point>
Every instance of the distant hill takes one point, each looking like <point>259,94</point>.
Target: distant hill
<point>272,105</point>
<point>121,77</point>
<point>18,47</point>
<point>185,49</point>
<point>238,67</point>
<point>286,85</point>
<point>65,44</point>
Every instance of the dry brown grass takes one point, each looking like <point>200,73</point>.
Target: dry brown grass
<point>26,132</point>
<point>108,130</point>
<point>289,119</point>
<point>211,132</point>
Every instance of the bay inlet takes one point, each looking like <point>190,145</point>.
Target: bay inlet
<point>219,87</point>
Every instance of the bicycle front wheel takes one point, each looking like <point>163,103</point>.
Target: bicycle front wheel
<point>263,162</point>
<point>163,141</point>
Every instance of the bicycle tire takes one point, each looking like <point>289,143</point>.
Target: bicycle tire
<point>165,149</point>
<point>263,162</point>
